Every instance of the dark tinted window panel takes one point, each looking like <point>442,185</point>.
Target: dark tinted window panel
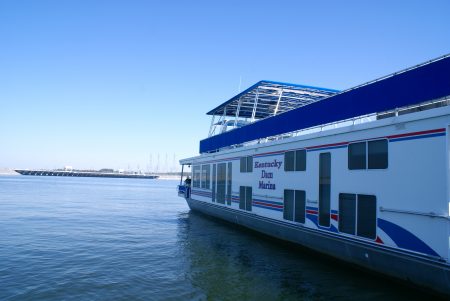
<point>347,213</point>
<point>300,201</point>
<point>357,155</point>
<point>324,189</point>
<point>242,197</point>
<point>378,154</point>
<point>229,180</point>
<point>221,182</point>
<point>367,216</point>
<point>288,211</point>
<point>249,164</point>
<point>248,198</point>
<point>289,161</point>
<point>243,164</point>
<point>300,160</point>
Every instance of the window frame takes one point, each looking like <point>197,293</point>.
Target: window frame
<point>367,156</point>
<point>246,198</point>
<point>196,176</point>
<point>246,164</point>
<point>296,156</point>
<point>205,176</point>
<point>356,220</point>
<point>293,213</point>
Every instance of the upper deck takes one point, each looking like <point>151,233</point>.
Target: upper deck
<point>263,99</point>
<point>270,109</point>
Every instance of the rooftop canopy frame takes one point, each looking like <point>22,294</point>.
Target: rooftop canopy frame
<point>264,99</point>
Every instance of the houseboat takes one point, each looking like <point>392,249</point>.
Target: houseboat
<point>361,175</point>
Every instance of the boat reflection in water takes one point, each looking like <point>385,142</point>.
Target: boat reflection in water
<point>223,262</point>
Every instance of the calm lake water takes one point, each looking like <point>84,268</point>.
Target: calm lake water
<point>132,239</point>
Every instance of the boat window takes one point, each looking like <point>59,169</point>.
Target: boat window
<point>243,164</point>
<point>300,160</point>
<point>229,179</point>
<point>196,176</point>
<point>289,161</point>
<point>288,210</point>
<point>357,214</point>
<point>300,203</point>
<point>242,197</point>
<point>378,154</point>
<point>368,155</point>
<point>206,176</point>
<point>347,213</point>
<point>295,160</point>
<point>357,155</point>
<point>249,164</point>
<point>367,220</point>
<point>248,198</point>
<point>324,189</point>
<point>245,198</point>
<point>246,164</point>
<point>221,182</point>
<point>294,205</point>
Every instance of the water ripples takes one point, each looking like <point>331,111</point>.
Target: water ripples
<point>122,239</point>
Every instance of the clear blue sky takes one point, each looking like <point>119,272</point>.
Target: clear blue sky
<point>111,83</point>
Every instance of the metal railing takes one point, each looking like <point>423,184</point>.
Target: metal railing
<point>437,103</point>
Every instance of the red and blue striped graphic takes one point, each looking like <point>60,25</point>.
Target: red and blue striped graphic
<point>392,138</point>
<point>277,206</point>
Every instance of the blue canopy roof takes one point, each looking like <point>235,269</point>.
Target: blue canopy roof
<point>421,83</point>
<point>268,98</point>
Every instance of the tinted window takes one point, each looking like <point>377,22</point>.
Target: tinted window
<point>357,155</point>
<point>229,179</point>
<point>295,160</point>
<point>248,198</point>
<point>367,216</point>
<point>242,197</point>
<point>288,211</point>
<point>221,182</point>
<point>245,198</point>
<point>289,159</point>
<point>347,213</point>
<point>324,189</point>
<point>243,164</point>
<point>378,154</point>
<point>246,164</point>
<point>249,164</point>
<point>300,201</point>
<point>300,160</point>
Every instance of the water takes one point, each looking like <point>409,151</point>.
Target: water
<point>127,239</point>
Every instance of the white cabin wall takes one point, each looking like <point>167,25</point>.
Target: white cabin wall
<point>416,179</point>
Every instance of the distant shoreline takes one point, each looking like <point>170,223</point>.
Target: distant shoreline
<point>162,176</point>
